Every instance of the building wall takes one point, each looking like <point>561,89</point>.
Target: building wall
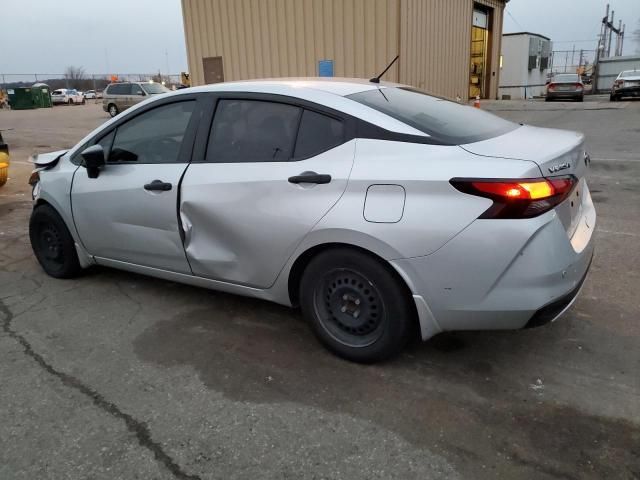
<point>279,38</point>
<point>516,80</point>
<point>610,68</point>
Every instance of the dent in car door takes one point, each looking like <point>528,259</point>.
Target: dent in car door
<point>129,213</point>
<point>242,217</point>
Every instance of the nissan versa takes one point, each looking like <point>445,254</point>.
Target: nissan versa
<point>381,211</point>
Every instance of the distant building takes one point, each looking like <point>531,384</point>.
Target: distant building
<point>450,48</point>
<point>525,64</point>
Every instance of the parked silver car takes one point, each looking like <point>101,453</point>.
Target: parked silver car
<point>380,210</point>
<point>117,97</point>
<point>565,86</point>
<point>627,84</point>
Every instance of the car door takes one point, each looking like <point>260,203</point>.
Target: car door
<point>136,95</point>
<point>129,212</point>
<point>270,171</point>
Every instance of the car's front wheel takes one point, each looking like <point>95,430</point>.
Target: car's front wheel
<point>70,102</point>
<point>52,243</point>
<point>112,109</point>
<point>356,305</point>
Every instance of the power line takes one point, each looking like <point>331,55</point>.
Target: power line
<point>515,21</point>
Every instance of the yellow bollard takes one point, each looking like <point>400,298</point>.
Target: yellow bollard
<point>4,168</point>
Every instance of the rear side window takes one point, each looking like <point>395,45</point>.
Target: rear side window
<point>253,131</point>
<point>119,89</point>
<point>444,121</point>
<point>318,133</point>
<point>154,136</point>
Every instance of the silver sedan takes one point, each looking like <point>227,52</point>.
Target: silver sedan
<point>381,211</point>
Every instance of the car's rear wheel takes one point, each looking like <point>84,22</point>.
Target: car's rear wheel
<point>357,307</point>
<point>84,101</point>
<point>613,98</point>
<point>70,102</point>
<point>52,243</point>
<point>112,109</point>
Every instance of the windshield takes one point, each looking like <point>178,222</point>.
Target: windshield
<point>445,121</point>
<point>154,88</point>
<point>567,78</point>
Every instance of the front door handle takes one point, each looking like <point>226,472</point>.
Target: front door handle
<point>310,177</point>
<point>158,186</point>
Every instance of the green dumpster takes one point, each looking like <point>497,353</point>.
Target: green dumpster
<point>20,98</point>
<point>41,94</point>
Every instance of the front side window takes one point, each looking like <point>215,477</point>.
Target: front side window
<point>136,89</point>
<point>154,136</point>
<point>444,121</point>
<point>318,133</point>
<point>252,131</point>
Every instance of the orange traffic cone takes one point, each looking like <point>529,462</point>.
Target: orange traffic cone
<point>476,102</point>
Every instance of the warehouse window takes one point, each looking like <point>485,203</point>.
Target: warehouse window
<point>252,131</point>
<point>318,133</point>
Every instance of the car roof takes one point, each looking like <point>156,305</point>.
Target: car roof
<point>334,85</point>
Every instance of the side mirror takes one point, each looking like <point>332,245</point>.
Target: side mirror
<point>93,160</point>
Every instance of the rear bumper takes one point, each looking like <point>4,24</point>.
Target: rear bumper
<point>628,91</point>
<point>554,95</point>
<point>502,274</point>
<point>551,312</point>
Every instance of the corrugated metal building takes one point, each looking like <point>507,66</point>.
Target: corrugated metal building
<point>447,47</point>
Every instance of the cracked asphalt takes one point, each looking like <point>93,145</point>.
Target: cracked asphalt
<point>119,376</point>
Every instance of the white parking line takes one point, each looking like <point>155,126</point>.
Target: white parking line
<point>628,234</point>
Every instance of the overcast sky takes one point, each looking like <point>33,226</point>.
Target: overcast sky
<point>143,36</point>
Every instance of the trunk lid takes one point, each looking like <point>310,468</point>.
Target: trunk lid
<point>556,152</point>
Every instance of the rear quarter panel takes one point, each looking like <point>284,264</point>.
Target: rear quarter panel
<point>434,211</point>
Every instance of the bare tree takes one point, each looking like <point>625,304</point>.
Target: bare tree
<point>74,76</point>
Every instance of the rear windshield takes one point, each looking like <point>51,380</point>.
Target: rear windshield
<point>153,88</point>
<point>630,73</point>
<point>445,121</point>
<point>571,77</point>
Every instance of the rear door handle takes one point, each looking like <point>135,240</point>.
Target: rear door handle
<point>310,177</point>
<point>158,186</point>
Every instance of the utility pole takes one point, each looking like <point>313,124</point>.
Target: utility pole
<point>611,30</point>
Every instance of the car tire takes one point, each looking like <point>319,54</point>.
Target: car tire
<point>70,102</point>
<point>52,243</point>
<point>581,99</point>
<point>84,101</point>
<point>357,306</point>
<point>112,109</point>
<point>547,99</point>
<point>613,98</point>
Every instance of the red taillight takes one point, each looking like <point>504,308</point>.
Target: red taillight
<point>551,87</point>
<point>578,86</point>
<point>525,198</point>
<point>618,83</point>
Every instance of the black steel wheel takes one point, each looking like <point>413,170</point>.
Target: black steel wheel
<point>113,109</point>
<point>52,243</point>
<point>356,305</point>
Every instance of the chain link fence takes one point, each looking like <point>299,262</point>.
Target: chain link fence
<point>95,81</point>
